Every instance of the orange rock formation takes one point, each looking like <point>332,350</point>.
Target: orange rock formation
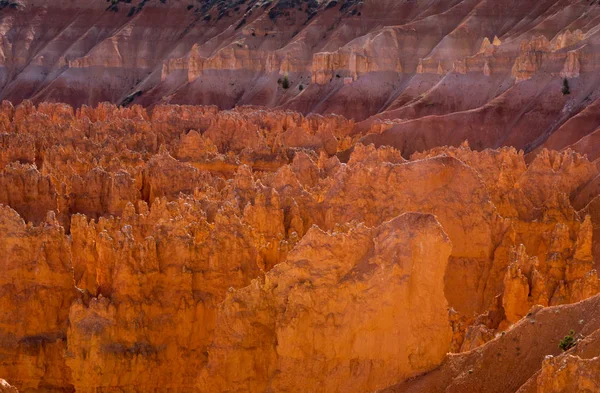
<point>189,249</point>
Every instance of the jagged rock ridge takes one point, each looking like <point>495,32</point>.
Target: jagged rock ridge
<point>185,248</point>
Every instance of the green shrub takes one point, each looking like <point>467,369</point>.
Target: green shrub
<point>568,341</point>
<point>285,83</point>
<point>130,98</point>
<point>242,23</point>
<point>565,89</point>
<point>300,87</point>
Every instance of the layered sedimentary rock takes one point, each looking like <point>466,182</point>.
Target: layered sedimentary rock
<point>353,224</point>
<point>430,73</point>
<point>344,312</point>
<point>37,291</point>
<point>185,248</point>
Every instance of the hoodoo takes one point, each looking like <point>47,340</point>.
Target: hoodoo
<point>252,196</point>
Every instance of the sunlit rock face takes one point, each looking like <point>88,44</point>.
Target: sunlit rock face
<point>299,196</point>
<point>188,249</point>
<point>5,387</point>
<point>345,312</point>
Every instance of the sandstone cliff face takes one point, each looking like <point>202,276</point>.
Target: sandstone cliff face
<point>189,249</point>
<point>37,290</point>
<point>350,299</point>
<point>569,374</point>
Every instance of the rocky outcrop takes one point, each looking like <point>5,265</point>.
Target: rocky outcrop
<point>529,353</point>
<point>298,330</point>
<point>6,388</point>
<point>372,62</point>
<point>386,240</point>
<point>186,248</point>
<point>530,58</point>
<point>327,66</point>
<point>569,374</point>
<point>37,289</point>
<point>169,280</point>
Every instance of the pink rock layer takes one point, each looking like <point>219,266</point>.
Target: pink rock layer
<point>421,74</point>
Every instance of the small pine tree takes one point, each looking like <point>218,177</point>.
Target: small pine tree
<point>300,87</point>
<point>285,83</point>
<point>568,341</point>
<point>565,89</point>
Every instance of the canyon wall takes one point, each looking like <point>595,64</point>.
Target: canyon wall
<point>419,74</point>
<point>299,195</point>
<point>189,249</point>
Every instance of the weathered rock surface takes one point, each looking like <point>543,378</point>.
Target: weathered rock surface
<point>345,312</point>
<point>37,291</point>
<point>6,388</point>
<point>569,374</point>
<point>188,249</point>
<point>416,74</point>
<point>528,353</point>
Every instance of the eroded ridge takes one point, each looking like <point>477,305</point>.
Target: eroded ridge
<point>419,74</point>
<point>189,249</point>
